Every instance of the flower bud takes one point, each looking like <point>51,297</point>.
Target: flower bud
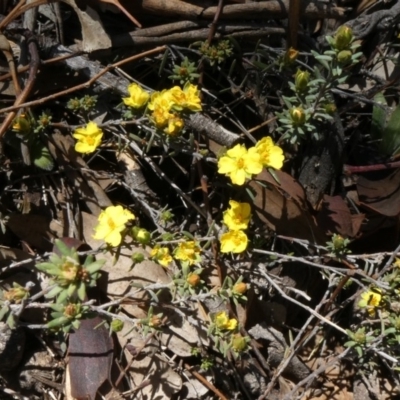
<point>44,120</point>
<point>155,321</point>
<point>290,56</point>
<point>137,258</point>
<point>301,80</point>
<point>298,116</point>
<point>117,325</point>
<point>167,216</point>
<point>240,288</point>
<point>141,235</point>
<point>338,242</point>
<point>71,310</point>
<point>239,343</point>
<point>344,57</point>
<point>193,279</point>
<point>74,104</point>
<point>343,38</point>
<point>21,124</point>
<point>16,294</point>
<point>330,108</point>
<point>360,336</point>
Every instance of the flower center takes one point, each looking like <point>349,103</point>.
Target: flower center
<point>90,140</point>
<point>240,163</point>
<point>111,224</point>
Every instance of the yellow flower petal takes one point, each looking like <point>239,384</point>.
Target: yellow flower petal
<point>233,242</point>
<point>237,217</point>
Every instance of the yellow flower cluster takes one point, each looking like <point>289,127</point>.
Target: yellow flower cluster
<point>161,255</point>
<point>240,163</point>
<point>236,218</point>
<point>166,105</point>
<point>223,322</point>
<point>112,221</point>
<point>88,138</point>
<point>187,252</point>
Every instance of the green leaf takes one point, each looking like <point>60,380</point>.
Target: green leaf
<point>41,156</point>
<point>62,297</point>
<point>64,249</point>
<point>45,267</point>
<point>379,114</point>
<point>71,289</point>
<point>81,291</point>
<point>95,266</point>
<point>3,312</point>
<point>57,322</point>
<point>54,292</point>
<point>391,134</point>
<point>11,321</point>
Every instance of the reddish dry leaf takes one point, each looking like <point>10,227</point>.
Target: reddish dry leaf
<point>284,208</point>
<point>381,195</point>
<point>90,353</point>
<point>335,217</point>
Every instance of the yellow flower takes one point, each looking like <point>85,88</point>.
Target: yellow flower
<point>175,125</point>
<point>397,263</point>
<point>160,117</point>
<point>186,98</point>
<point>161,255</point>
<point>238,216</point>
<point>163,100</point>
<point>89,138</point>
<point>137,96</point>
<point>222,321</point>
<point>270,154</point>
<point>370,300</point>
<point>111,223</point>
<point>188,252</point>
<point>178,97</point>
<point>193,101</point>
<point>240,163</point>
<point>233,242</point>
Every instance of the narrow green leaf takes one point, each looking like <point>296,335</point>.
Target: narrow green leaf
<point>81,291</point>
<point>379,115</point>
<point>95,266</point>
<point>391,134</point>
<point>54,292</point>
<point>55,323</point>
<point>3,312</point>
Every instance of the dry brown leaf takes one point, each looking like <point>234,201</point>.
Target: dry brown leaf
<point>94,37</point>
<point>283,206</point>
<point>334,216</point>
<point>380,193</point>
<point>33,229</point>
